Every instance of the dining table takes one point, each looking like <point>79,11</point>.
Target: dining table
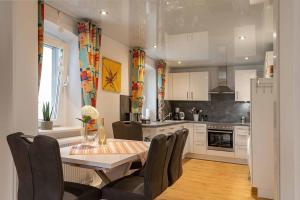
<point>105,163</point>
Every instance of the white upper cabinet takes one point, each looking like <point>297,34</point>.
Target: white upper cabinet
<point>191,86</point>
<point>180,86</point>
<point>198,86</point>
<point>242,84</point>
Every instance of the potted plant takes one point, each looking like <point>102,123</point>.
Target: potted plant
<point>195,112</point>
<point>47,124</point>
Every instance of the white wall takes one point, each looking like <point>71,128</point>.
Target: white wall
<point>289,97</point>
<point>150,88</point>
<point>6,171</point>
<point>18,61</point>
<point>108,103</point>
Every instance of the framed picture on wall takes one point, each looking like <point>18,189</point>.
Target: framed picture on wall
<point>111,75</point>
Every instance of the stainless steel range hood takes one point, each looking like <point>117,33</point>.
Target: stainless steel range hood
<point>222,83</point>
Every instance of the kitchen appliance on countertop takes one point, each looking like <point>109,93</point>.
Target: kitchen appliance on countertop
<point>181,115</point>
<point>177,114</point>
<point>220,137</point>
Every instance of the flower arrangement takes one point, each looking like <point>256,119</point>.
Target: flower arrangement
<point>88,113</point>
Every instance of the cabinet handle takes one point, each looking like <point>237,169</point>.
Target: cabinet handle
<point>192,94</point>
<point>187,95</point>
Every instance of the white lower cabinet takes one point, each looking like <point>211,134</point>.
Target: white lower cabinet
<point>241,141</point>
<point>199,140</point>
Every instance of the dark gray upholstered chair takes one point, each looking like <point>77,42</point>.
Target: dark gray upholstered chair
<point>128,130</point>
<point>40,174</point>
<point>175,165</point>
<point>152,183</point>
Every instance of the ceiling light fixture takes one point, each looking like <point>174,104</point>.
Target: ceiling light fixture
<point>104,12</point>
<point>241,37</point>
<point>246,58</point>
<point>179,62</point>
<point>154,46</point>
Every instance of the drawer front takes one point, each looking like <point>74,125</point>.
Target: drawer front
<point>199,148</point>
<point>200,127</point>
<point>241,140</point>
<point>242,130</point>
<point>200,137</point>
<point>241,152</point>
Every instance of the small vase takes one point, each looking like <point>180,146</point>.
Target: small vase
<point>196,117</point>
<point>84,133</point>
<point>101,132</point>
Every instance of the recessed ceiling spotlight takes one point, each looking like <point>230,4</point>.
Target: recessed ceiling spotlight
<point>246,58</point>
<point>104,12</point>
<point>167,2</point>
<point>154,46</point>
<point>179,62</point>
<point>241,37</point>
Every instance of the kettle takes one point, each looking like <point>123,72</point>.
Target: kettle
<point>181,115</point>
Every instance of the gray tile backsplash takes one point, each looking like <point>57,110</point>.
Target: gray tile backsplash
<point>221,108</point>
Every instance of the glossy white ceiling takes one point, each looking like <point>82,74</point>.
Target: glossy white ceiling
<point>195,32</point>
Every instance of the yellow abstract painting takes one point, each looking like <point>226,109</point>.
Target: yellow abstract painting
<point>111,75</point>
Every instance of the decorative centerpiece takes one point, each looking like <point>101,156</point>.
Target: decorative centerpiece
<point>89,115</point>
<point>46,124</point>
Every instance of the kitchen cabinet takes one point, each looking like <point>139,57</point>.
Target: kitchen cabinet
<point>198,86</point>
<point>242,84</point>
<point>191,86</point>
<point>241,141</point>
<point>150,132</point>
<point>180,86</point>
<point>199,139</point>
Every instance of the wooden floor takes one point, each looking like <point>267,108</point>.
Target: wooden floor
<point>210,180</point>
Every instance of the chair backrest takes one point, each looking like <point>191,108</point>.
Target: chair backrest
<point>154,169</point>
<point>19,148</point>
<point>171,138</point>
<point>46,168</point>
<point>128,130</point>
<point>175,164</point>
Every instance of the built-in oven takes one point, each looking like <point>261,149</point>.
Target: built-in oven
<point>220,137</point>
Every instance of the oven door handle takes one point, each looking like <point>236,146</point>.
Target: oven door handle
<point>214,131</point>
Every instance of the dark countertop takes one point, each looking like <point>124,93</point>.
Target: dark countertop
<point>173,122</point>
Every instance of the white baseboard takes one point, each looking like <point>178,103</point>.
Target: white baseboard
<point>216,158</point>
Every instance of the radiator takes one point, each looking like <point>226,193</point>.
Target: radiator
<point>77,174</point>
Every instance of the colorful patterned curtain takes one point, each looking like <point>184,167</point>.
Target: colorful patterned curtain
<point>89,57</point>
<point>137,79</point>
<point>161,83</point>
<point>40,38</point>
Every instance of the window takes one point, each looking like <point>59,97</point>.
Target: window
<point>52,78</point>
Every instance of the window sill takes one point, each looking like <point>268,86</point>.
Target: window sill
<point>61,132</point>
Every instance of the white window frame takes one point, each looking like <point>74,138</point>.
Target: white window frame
<point>58,43</point>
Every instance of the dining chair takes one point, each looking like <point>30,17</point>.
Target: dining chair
<point>171,138</point>
<point>175,165</point>
<point>147,187</point>
<point>40,173</point>
<point>128,130</point>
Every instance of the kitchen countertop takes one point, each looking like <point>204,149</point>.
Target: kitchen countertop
<point>174,122</point>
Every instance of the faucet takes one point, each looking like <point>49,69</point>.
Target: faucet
<point>167,116</point>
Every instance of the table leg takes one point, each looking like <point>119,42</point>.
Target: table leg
<point>103,176</point>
